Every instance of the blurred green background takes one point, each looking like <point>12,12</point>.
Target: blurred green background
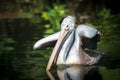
<point>23,22</point>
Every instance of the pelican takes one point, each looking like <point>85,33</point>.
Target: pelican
<point>70,45</point>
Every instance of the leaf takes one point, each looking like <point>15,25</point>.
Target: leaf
<point>47,26</point>
<point>48,31</point>
<point>45,15</point>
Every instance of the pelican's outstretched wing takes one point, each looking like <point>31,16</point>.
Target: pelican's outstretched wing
<point>47,41</point>
<point>89,36</point>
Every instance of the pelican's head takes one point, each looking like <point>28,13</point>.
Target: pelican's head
<point>68,23</point>
<point>67,26</point>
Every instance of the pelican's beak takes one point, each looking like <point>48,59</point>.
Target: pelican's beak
<point>56,48</point>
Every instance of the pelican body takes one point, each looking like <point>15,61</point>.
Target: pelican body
<point>70,45</point>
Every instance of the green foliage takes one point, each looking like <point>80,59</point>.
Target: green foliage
<point>40,12</point>
<point>108,24</point>
<point>54,16</point>
<point>103,20</point>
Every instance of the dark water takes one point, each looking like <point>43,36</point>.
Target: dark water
<point>108,68</point>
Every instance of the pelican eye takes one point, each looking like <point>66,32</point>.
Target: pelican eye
<point>67,27</point>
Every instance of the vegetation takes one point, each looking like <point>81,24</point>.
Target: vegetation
<point>108,26</point>
<point>54,16</point>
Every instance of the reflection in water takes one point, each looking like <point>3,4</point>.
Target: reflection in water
<point>50,75</point>
<point>73,72</point>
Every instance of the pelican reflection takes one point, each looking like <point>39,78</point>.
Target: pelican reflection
<point>74,72</point>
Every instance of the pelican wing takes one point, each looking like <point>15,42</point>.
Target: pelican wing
<point>89,36</point>
<point>47,41</point>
